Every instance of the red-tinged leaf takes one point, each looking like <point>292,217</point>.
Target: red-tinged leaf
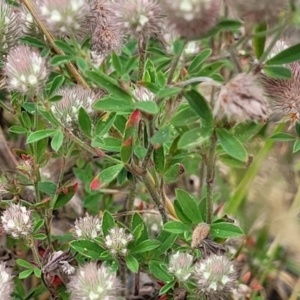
<point>128,142</point>
<point>134,119</point>
<point>64,197</point>
<point>95,184</point>
<point>255,285</point>
<point>126,150</point>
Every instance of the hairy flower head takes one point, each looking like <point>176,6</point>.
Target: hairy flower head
<point>26,70</point>
<point>215,276</point>
<point>6,282</point>
<point>73,98</point>
<point>64,17</point>
<point>88,227</point>
<point>143,94</point>
<point>10,32</point>
<point>191,18</point>
<point>27,23</point>
<point>284,93</point>
<point>94,283</point>
<point>242,99</point>
<point>16,221</point>
<point>181,265</point>
<point>116,241</point>
<point>139,17</point>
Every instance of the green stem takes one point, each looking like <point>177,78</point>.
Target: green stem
<point>142,57</point>
<point>130,200</point>
<point>35,252</point>
<point>210,175</point>
<point>7,108</point>
<point>242,189</point>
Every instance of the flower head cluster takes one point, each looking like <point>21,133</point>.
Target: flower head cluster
<point>25,69</point>
<point>257,11</point>
<point>191,18</point>
<point>16,221</point>
<point>215,276</point>
<point>27,23</point>
<point>143,94</point>
<point>181,265</point>
<point>73,98</point>
<point>93,282</point>
<point>242,99</point>
<point>106,34</point>
<point>139,17</point>
<point>284,93</point>
<point>64,17</point>
<point>10,31</point>
<point>116,241</point>
<point>6,282</point>
<point>87,227</point>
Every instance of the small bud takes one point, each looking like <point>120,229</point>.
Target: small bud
<point>242,99</point>
<point>95,184</point>
<point>199,234</point>
<point>215,276</point>
<point>88,227</point>
<point>181,265</point>
<point>6,282</point>
<point>93,282</point>
<point>116,241</point>
<point>16,221</point>
<point>26,70</point>
<point>192,18</point>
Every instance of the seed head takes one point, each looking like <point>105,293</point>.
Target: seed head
<point>139,17</point>
<point>10,32</point>
<point>254,11</point>
<point>93,282</point>
<point>143,94</point>
<point>116,241</point>
<point>6,282</point>
<point>242,99</point>
<point>16,221</point>
<point>215,277</point>
<point>284,94</point>
<point>181,265</point>
<point>88,227</point>
<point>26,70</point>
<point>64,17</point>
<point>191,18</point>
<point>66,110</point>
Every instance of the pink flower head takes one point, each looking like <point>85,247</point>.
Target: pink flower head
<point>6,282</point>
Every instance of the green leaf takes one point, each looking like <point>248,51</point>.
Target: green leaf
<point>37,272</point>
<point>39,236</point>
<point>109,144</point>
<point>117,63</point>
<point>63,198</point>
<point>245,131</point>
<point>47,187</point>
<point>81,64</point>
<point>168,92</point>
<point>172,173</point>
<point>161,136</point>
<point>57,141</point>
<point>85,122</point>
<point>104,124</point>
<point>26,121</point>
<point>61,59</point>
<point>145,246</point>
<point>64,46</point>
<point>132,263</point>
<point>180,213</point>
<point>258,42</point>
<point>108,103</point>
<point>87,248</point>
<point>231,145</point>
<point>25,274</point>
<point>286,56</point>
<point>178,46</point>
<point>149,107</point>
<point>200,105</point>
<point>278,72</point>
<point>228,24</point>
<point>176,227</point>
<point>167,287</point>
<point>108,222</point>
<point>296,146</point>
<point>25,264</point>
<point>110,173</point>
<point>189,206</point>
<point>38,225</point>
<point>32,41</point>
<point>109,84</point>
<point>159,271</point>
<point>137,220</point>
<point>231,162</point>
<point>56,84</point>
<point>194,137</point>
<point>17,129</point>
<point>184,116</point>
<point>167,239</point>
<point>225,230</point>
<point>159,159</point>
<point>198,60</point>
<point>39,135</point>
<point>209,69</point>
<point>283,137</point>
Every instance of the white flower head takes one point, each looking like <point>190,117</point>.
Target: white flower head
<point>143,94</point>
<point>88,227</point>
<point>6,282</point>
<point>181,265</point>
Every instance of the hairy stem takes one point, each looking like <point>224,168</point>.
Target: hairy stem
<point>142,57</point>
<point>130,200</point>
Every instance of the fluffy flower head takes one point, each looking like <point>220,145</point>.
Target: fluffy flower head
<point>87,227</point>
<point>63,17</point>
<point>16,221</point>
<point>25,69</point>
<point>215,276</point>
<point>116,241</point>
<point>181,265</point>
<point>6,282</point>
<point>143,94</point>
<point>242,99</point>
<point>191,18</point>
<point>94,283</point>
